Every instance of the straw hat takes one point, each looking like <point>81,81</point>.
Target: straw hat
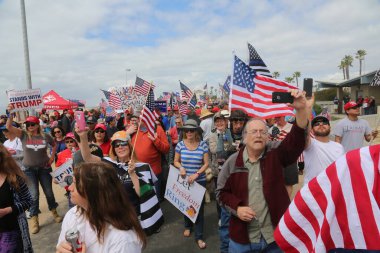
<point>205,113</point>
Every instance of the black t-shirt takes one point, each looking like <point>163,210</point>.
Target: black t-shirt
<point>9,221</point>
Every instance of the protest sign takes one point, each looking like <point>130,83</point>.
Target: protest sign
<point>185,197</point>
<point>23,100</point>
<point>162,105</point>
<point>60,172</point>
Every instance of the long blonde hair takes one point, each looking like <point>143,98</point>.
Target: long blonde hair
<point>9,167</point>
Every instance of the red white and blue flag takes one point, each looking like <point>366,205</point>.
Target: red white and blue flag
<point>148,114</point>
<point>256,63</point>
<point>186,93</point>
<point>340,208</point>
<point>115,101</point>
<point>142,87</point>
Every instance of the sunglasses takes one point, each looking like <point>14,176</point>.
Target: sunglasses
<point>57,132</point>
<point>189,130</point>
<point>69,141</point>
<point>120,144</point>
<point>355,107</point>
<point>28,124</point>
<point>100,131</point>
<point>320,123</point>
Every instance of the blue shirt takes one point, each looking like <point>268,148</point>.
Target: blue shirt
<point>192,160</point>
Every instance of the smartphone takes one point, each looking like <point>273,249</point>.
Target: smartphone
<point>282,97</point>
<point>80,120</point>
<point>308,86</point>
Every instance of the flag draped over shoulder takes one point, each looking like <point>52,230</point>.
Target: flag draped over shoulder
<point>253,93</point>
<point>148,114</point>
<point>186,93</point>
<point>256,63</point>
<point>337,209</point>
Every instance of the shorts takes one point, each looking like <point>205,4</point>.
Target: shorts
<point>291,174</point>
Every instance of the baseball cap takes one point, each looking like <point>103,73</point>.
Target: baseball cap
<point>319,119</point>
<point>120,136</point>
<point>70,136</point>
<point>33,119</point>
<point>91,119</point>
<point>100,125</point>
<point>349,105</point>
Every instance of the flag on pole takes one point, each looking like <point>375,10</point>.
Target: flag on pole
<point>166,96</point>
<point>253,93</point>
<point>186,93</point>
<point>183,107</point>
<point>106,94</point>
<point>376,79</point>
<point>227,85</point>
<point>142,87</point>
<point>148,114</point>
<point>193,102</point>
<point>115,101</point>
<point>205,87</point>
<point>256,63</point>
<point>337,209</point>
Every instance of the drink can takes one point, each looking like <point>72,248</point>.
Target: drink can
<point>72,236</point>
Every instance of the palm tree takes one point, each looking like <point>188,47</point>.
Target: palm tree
<point>348,59</point>
<point>342,67</point>
<point>276,74</point>
<point>289,79</point>
<point>296,75</point>
<point>360,55</point>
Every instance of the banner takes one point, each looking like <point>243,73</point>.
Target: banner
<point>162,105</point>
<point>23,100</point>
<point>185,197</point>
<point>59,173</point>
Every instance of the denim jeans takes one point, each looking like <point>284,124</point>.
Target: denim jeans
<point>224,234</point>
<point>158,187</point>
<point>40,175</point>
<point>261,246</point>
<point>199,222</point>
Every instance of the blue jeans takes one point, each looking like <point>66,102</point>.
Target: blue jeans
<point>224,234</point>
<point>41,175</point>
<point>199,222</point>
<point>261,246</point>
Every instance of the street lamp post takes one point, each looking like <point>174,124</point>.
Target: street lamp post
<point>126,76</point>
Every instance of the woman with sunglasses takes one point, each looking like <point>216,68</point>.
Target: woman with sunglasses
<point>103,216</point>
<point>100,138</point>
<point>37,166</point>
<point>15,199</point>
<point>191,157</point>
<point>58,135</point>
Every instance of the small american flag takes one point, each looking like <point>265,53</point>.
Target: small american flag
<point>148,114</point>
<point>183,107</point>
<point>256,63</point>
<point>253,93</point>
<point>106,94</point>
<point>337,209</point>
<point>142,86</point>
<point>115,101</point>
<point>193,102</point>
<point>186,93</point>
<point>227,85</point>
<point>166,96</point>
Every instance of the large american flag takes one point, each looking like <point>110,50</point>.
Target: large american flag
<point>115,101</point>
<point>142,87</point>
<point>256,63</point>
<point>186,93</point>
<point>148,114</point>
<point>253,93</point>
<point>337,209</point>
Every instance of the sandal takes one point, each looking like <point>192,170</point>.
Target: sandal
<point>186,233</point>
<point>201,244</point>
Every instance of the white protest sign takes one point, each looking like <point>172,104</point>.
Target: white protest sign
<point>23,100</point>
<point>60,173</point>
<point>185,197</point>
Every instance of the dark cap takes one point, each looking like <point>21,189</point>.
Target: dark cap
<point>319,119</point>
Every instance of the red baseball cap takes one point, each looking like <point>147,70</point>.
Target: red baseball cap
<point>33,119</point>
<point>215,109</point>
<point>70,136</point>
<point>349,105</point>
<point>100,125</point>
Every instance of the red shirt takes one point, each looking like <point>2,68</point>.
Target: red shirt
<point>105,147</point>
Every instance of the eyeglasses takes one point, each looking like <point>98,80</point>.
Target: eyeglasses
<point>120,144</point>
<point>99,131</point>
<point>69,141</point>
<point>189,130</point>
<point>355,107</point>
<point>320,123</point>
<point>29,124</point>
<point>57,132</point>
<point>256,131</point>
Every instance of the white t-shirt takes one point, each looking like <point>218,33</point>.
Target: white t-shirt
<point>318,156</point>
<point>15,144</point>
<point>115,240</point>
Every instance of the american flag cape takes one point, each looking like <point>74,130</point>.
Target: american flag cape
<point>253,93</point>
<point>337,209</point>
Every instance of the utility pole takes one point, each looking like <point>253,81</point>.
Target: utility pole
<point>126,76</point>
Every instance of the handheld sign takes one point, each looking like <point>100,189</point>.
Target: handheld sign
<point>185,197</point>
<point>23,100</point>
<point>63,170</point>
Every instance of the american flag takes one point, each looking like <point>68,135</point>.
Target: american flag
<point>193,102</point>
<point>202,98</point>
<point>143,86</point>
<point>337,209</point>
<point>166,96</point>
<point>106,94</point>
<point>103,103</point>
<point>148,114</point>
<point>376,79</point>
<point>256,63</point>
<point>253,93</point>
<point>186,93</point>
<point>183,107</point>
<point>227,85</point>
<point>115,101</point>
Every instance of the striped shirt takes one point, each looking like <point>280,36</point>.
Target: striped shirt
<point>192,160</point>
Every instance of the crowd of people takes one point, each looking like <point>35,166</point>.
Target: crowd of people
<point>119,167</point>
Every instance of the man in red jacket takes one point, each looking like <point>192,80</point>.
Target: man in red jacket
<point>251,183</point>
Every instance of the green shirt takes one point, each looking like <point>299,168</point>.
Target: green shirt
<point>262,224</point>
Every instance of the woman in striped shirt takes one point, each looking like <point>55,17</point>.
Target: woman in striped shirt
<point>191,157</point>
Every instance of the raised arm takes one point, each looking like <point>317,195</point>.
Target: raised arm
<point>85,149</point>
<point>14,130</point>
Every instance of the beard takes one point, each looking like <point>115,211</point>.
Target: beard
<point>322,133</point>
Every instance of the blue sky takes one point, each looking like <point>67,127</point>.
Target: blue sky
<point>78,47</point>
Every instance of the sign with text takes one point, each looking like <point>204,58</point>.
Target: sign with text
<point>184,196</point>
<point>162,105</point>
<point>23,100</point>
<point>59,173</point>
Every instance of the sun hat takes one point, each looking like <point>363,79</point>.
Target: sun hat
<point>205,113</point>
<point>225,113</point>
<point>120,136</point>
<point>101,126</point>
<point>33,119</point>
<point>319,119</point>
<point>190,124</point>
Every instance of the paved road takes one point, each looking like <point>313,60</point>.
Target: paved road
<point>170,239</point>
